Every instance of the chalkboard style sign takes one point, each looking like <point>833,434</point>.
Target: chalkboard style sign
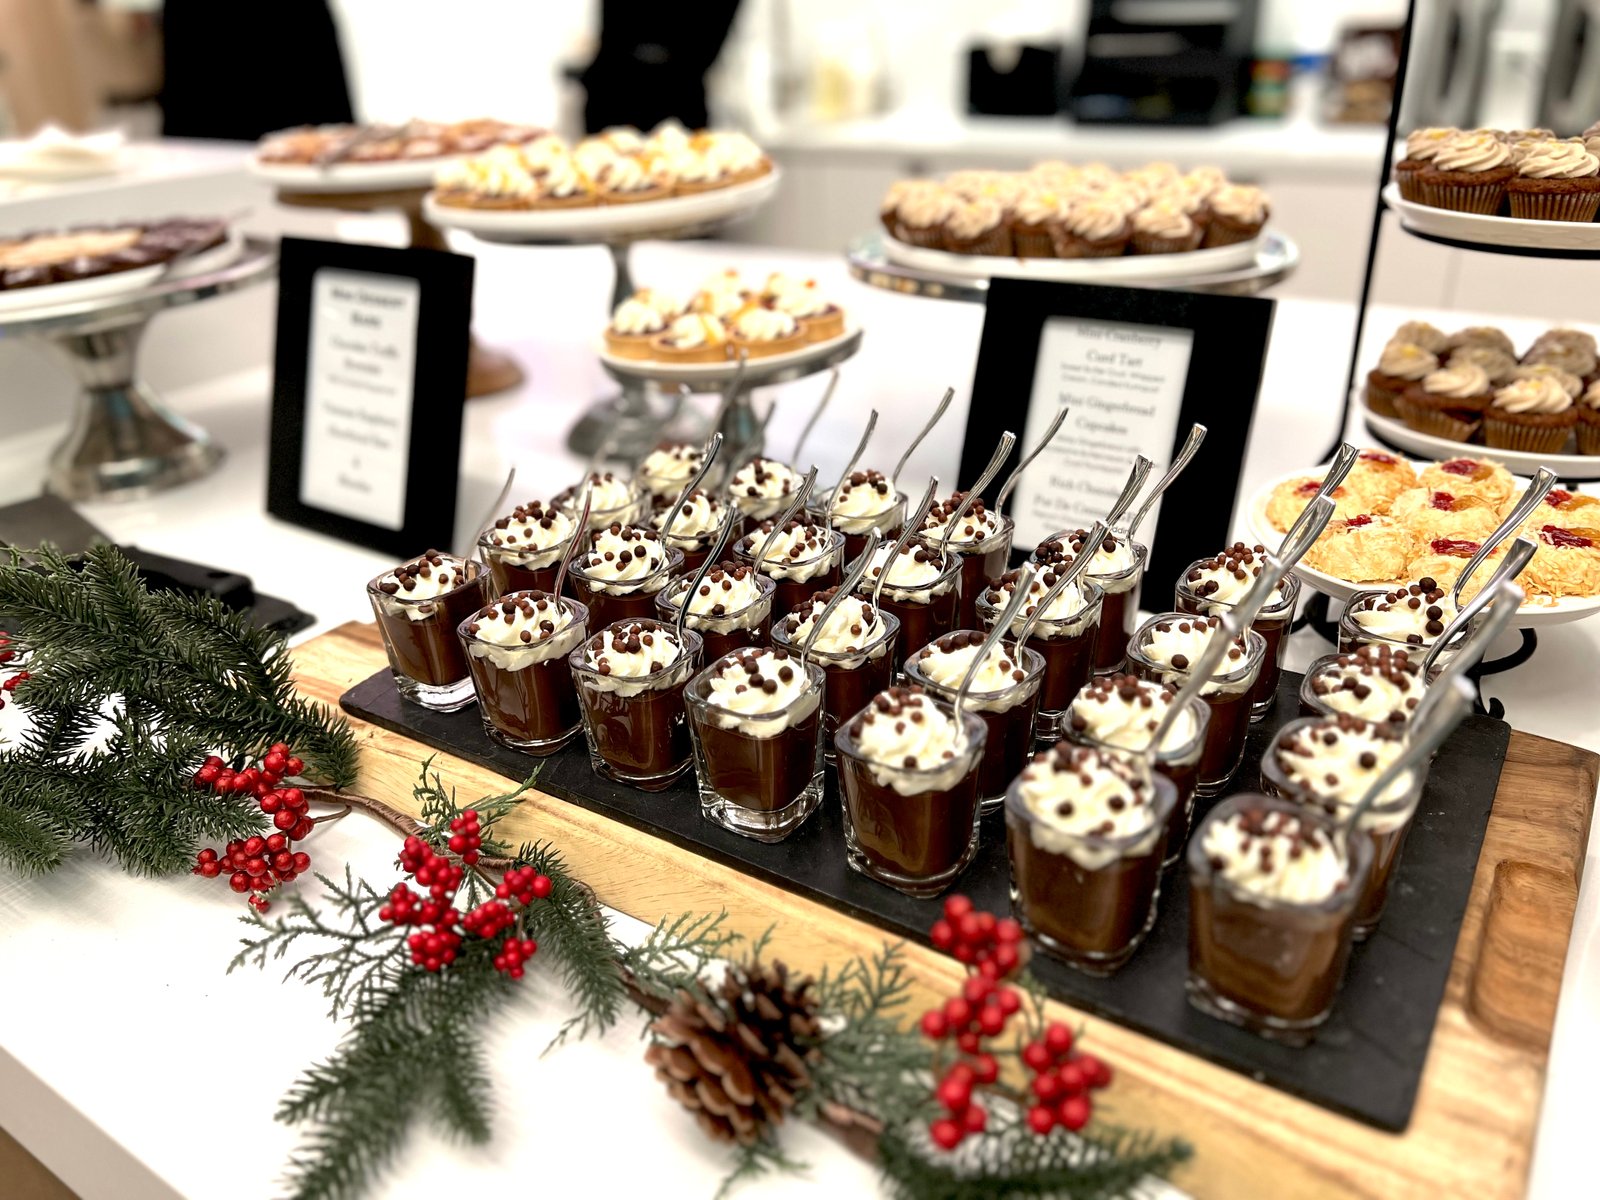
<point>369,379</point>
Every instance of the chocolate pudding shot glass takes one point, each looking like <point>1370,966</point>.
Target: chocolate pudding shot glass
<point>982,542</point>
<point>1273,893</point>
<point>631,678</point>
<point>619,575</point>
<point>864,501</point>
<point>1064,638</point>
<point>1403,618</point>
<point>803,559</point>
<point>921,586</point>
<point>731,609</point>
<point>1118,570</point>
<point>517,648</point>
<point>1327,764</point>
<point>1004,695</point>
<point>760,490</point>
<point>756,719</point>
<point>418,606</point>
<point>855,650</point>
<point>1121,713</point>
<point>666,471</point>
<point>1376,683</point>
<point>524,549</point>
<point>1212,586</point>
<point>614,500</point>
<point>908,776</point>
<point>1161,652</point>
<point>694,530</point>
<point>1085,829</point>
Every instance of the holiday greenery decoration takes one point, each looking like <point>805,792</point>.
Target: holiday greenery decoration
<point>127,691</point>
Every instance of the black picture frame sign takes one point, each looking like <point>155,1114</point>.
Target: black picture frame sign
<point>369,383</point>
<point>1091,334</point>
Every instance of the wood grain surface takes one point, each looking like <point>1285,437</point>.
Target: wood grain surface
<point>1473,1127</point>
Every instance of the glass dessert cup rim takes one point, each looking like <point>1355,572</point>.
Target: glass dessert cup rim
<point>689,647</point>
<point>694,692</point>
<point>1007,531</point>
<point>1166,799</point>
<point>972,748</point>
<point>1291,789</point>
<point>1192,749</point>
<point>630,587</point>
<point>936,587</point>
<point>765,587</point>
<point>819,507</point>
<point>474,574</point>
<point>1362,601</point>
<point>755,539</point>
<point>1324,662</point>
<point>577,608</point>
<point>1093,594</point>
<point>492,548</point>
<point>889,628</point>
<point>1255,652</point>
<point>1141,555</point>
<point>1032,664</point>
<point>1357,853</point>
<point>1289,588</point>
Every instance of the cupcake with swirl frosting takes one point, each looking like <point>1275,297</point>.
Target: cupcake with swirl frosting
<point>1421,146</point>
<point>1034,212</point>
<point>1468,174</point>
<point>1238,213</point>
<point>977,226</point>
<point>1399,366</point>
<point>1588,407</point>
<point>1532,415</point>
<point>1555,181</point>
<point>1447,403</point>
<point>1092,228</point>
<point>1162,227</point>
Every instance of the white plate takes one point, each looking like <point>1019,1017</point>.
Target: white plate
<point>1437,449</point>
<point>1073,270</point>
<point>353,177</point>
<point>598,222</point>
<point>1536,612</point>
<point>1514,232</point>
<point>52,295</point>
<point>720,372</point>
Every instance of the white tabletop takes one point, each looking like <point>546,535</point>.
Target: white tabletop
<point>104,1046</point>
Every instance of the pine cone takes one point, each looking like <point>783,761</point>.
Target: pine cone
<point>737,1059</point>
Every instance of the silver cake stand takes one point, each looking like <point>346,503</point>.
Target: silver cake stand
<point>1276,259</point>
<point>124,443</point>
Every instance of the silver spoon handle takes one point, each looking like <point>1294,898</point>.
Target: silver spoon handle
<point>1078,565</point>
<point>1503,600</point>
<point>1305,531</point>
<point>801,495</point>
<point>811,421</point>
<point>491,516</point>
<point>580,533</point>
<point>907,532</point>
<point>1543,478</point>
<point>1130,490</point>
<point>1191,446</point>
<point>861,448</point>
<point>708,458</point>
<point>1516,558</point>
<point>1027,459</point>
<point>944,405</point>
<point>1343,461</point>
<point>846,588</point>
<point>729,520</point>
<point>1019,597</point>
<point>1007,440</point>
<point>1422,739</point>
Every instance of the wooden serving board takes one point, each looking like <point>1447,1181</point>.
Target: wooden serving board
<point>1472,1130</point>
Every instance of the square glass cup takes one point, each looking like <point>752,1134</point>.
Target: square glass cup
<point>913,829</point>
<point>1177,761</point>
<point>1227,694</point>
<point>613,600</point>
<point>1119,610</point>
<point>1270,966</point>
<point>637,728</point>
<point>526,694</point>
<point>513,570</point>
<point>1067,648</point>
<point>1008,714</point>
<point>759,774</point>
<point>1352,635</point>
<point>926,611</point>
<point>419,636</point>
<point>1312,704</point>
<point>980,562</point>
<point>888,522</point>
<point>1272,623</point>
<point>1087,899</point>
<point>1386,823</point>
<point>850,680</point>
<point>748,626</point>
<point>632,511</point>
<point>797,581</point>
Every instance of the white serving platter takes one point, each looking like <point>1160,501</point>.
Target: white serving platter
<point>1493,232</point>
<point>353,177</point>
<point>791,365</point>
<point>1437,449</point>
<point>75,291</point>
<point>1193,263</point>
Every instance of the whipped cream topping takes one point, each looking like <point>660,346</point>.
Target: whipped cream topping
<point>1406,360</point>
<point>904,730</point>
<point>1166,219</point>
<point>912,575</point>
<point>623,554</point>
<point>759,323</point>
<point>630,650</point>
<point>1240,202</point>
<point>1337,759</point>
<point>803,300</point>
<point>857,503</point>
<point>1414,614</point>
<point>611,497</point>
<point>665,303</point>
<point>1222,581</point>
<point>1481,335</point>
<point>1420,333</point>
<point>1067,614</point>
<point>1533,395</point>
<point>973,218</point>
<point>1175,643</point>
<point>728,589</point>
<point>760,487</point>
<point>427,578</point>
<point>1572,360</point>
<point>1459,381</point>
<point>1073,793</point>
<point>748,689</point>
<point>799,551</point>
<point>977,525</point>
<point>946,661</point>
<point>667,468</point>
<point>1268,854</point>
<point>925,207</point>
<point>633,316</point>
<point>522,628</point>
<point>1124,711</point>
<point>531,535</point>
<point>1591,395</point>
<point>1039,206</point>
<point>1112,566</point>
<point>853,626</point>
<point>1377,683</point>
<point>695,329</point>
<point>699,518</point>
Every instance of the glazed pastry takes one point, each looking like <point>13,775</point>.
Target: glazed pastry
<point>1377,478</point>
<point>1429,515</point>
<point>1470,476</point>
<point>1565,510</point>
<point>1362,549</point>
<point>1443,560</point>
<point>1289,499</point>
<point>1565,563</point>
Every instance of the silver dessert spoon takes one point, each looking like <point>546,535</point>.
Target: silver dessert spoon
<point>1543,479</point>
<point>1517,556</point>
<point>1423,737</point>
<point>1027,459</point>
<point>1503,598</point>
<point>847,588</point>
<point>811,421</point>
<point>861,448</point>
<point>906,534</point>
<point>1003,448</point>
<point>1130,490</point>
<point>1019,597</point>
<point>801,495</point>
<point>1068,576</point>
<point>491,517</point>
<point>1191,446</point>
<point>944,405</point>
<point>729,519</point>
<point>579,531</point>
<point>708,459</point>
<point>1341,466</point>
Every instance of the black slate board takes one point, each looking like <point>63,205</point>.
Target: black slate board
<point>1366,1061</point>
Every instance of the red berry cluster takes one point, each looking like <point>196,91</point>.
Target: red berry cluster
<point>994,947</point>
<point>256,865</point>
<point>437,941</point>
<point>8,654</point>
<point>1062,1080</point>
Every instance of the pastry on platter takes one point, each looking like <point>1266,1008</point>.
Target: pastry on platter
<point>1289,499</point>
<point>333,145</point>
<point>1447,403</point>
<point>1471,476</point>
<point>1566,562</point>
<point>728,313</point>
<point>819,317</point>
<point>1362,549</point>
<point>1566,510</point>
<point>1428,515</point>
<point>66,255</point>
<point>1399,366</point>
<point>762,331</point>
<point>634,326</point>
<point>1443,559</point>
<point>692,338</point>
<point>1377,478</point>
